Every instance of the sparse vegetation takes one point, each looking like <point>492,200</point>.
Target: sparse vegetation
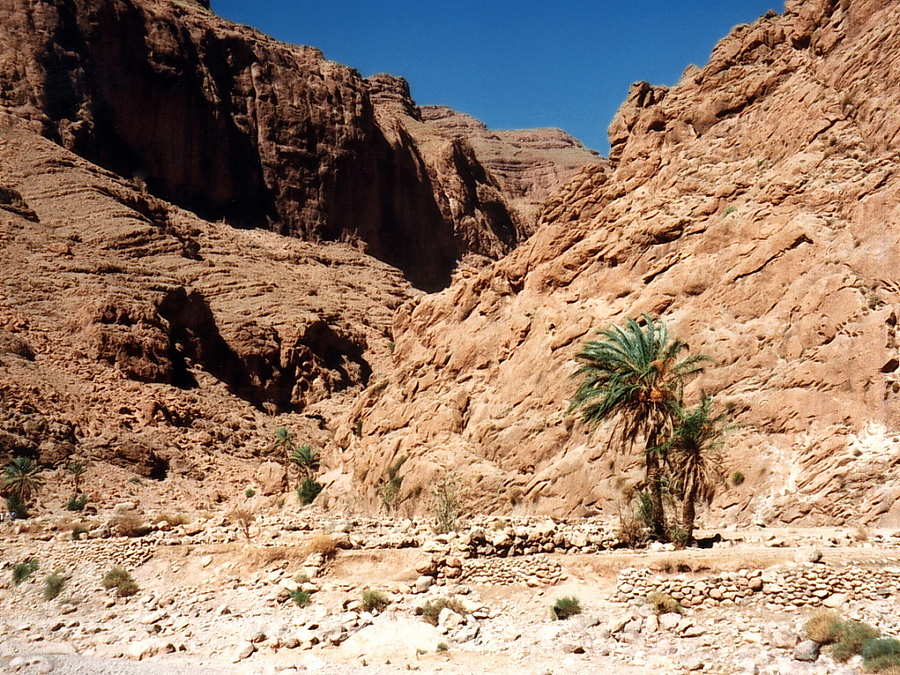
<point>129,524</point>
<point>309,489</point>
<point>391,485</point>
<point>824,627</point>
<point>78,531</point>
<point>22,570</point>
<point>21,482</point>
<point>731,209</point>
<point>53,585</point>
<point>851,638</point>
<point>442,647</point>
<point>446,503</point>
<point>881,655</point>
<point>249,492</point>
<point>243,518</point>
<point>432,611</point>
<point>76,470</point>
<point>76,503</point>
<point>736,478</point>
<point>358,428</point>
<point>663,603</point>
<point>374,601</point>
<point>301,598</point>
<point>323,544</point>
<point>566,607</point>
<point>115,577</point>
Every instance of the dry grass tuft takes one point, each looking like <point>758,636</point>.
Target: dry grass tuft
<point>322,543</point>
<point>823,627</point>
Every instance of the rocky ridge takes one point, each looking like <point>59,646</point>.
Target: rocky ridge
<point>232,124</point>
<point>754,205</point>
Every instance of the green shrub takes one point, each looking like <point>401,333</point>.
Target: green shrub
<point>663,603</point>
<point>127,588</point>
<point>737,478</point>
<point>851,638</point>
<point>249,492</point>
<point>443,647</point>
<point>432,611</point>
<point>17,507</point>
<point>881,654</point>
<point>53,585</point>
<point>563,608</point>
<point>447,497</point>
<point>77,531</point>
<point>308,491</point>
<point>76,503</point>
<point>301,597</point>
<point>115,577</point>
<point>373,601</point>
<point>23,570</point>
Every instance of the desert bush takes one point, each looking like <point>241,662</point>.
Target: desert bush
<point>663,603</point>
<point>172,518</point>
<point>446,503</point>
<point>76,503</point>
<point>321,543</point>
<point>565,607</point>
<point>23,570</point>
<point>128,525</point>
<point>115,577</point>
<point>881,654</point>
<point>249,492</point>
<point>390,486</point>
<point>127,588</point>
<point>442,647</point>
<point>374,601</point>
<point>309,489</point>
<point>851,638</point>
<point>736,478</point>
<point>432,611</point>
<point>17,507</point>
<point>243,518</point>
<point>53,585</point>
<point>301,598</point>
<point>77,531</point>
<point>823,627</point>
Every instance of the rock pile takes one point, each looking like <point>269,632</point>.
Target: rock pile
<point>808,585</point>
<point>532,570</point>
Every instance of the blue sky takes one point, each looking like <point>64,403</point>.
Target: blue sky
<point>512,65</point>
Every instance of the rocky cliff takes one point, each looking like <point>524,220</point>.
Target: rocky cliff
<point>233,125</point>
<point>755,207</point>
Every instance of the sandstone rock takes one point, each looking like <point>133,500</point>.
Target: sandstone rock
<point>271,478</point>
<point>393,634</point>
<point>806,651</point>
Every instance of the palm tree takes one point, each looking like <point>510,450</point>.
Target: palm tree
<point>694,461</point>
<point>76,470</point>
<point>284,443</point>
<point>634,374</point>
<point>306,459</point>
<point>22,480</point>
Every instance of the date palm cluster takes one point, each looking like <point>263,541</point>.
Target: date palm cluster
<point>634,376</point>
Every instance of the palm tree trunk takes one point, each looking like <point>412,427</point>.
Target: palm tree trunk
<point>688,514</point>
<point>654,483</point>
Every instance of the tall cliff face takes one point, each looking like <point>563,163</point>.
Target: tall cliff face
<point>755,207</point>
<point>232,124</point>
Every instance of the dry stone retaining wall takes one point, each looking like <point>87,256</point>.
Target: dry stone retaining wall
<point>808,585</point>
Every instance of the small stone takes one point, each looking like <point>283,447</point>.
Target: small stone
<point>806,651</point>
<point>243,651</point>
<point>423,583</point>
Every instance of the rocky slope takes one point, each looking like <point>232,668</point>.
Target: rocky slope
<point>135,333</point>
<point>754,206</point>
<point>232,124</point>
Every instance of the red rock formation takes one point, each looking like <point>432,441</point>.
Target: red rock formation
<point>755,206</point>
<point>232,124</point>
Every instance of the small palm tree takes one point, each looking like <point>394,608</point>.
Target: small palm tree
<point>634,374</point>
<point>284,443</point>
<point>76,470</point>
<point>307,460</point>
<point>22,480</point>
<point>692,452</point>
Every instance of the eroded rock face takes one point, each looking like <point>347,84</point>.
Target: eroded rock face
<point>231,124</point>
<point>136,334</point>
<point>754,206</point>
